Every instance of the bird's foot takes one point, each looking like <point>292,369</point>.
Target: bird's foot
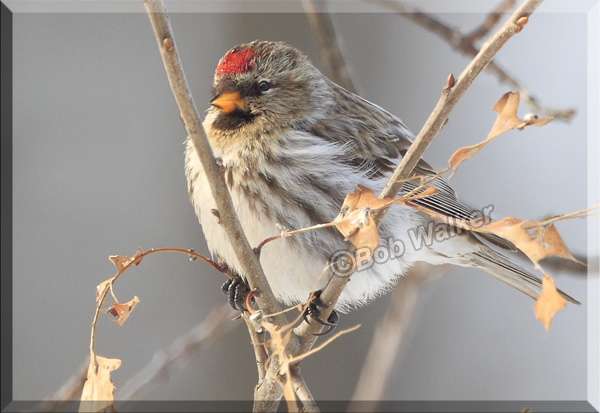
<point>313,310</point>
<point>237,292</point>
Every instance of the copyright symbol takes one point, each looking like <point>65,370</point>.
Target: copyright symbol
<point>342,263</point>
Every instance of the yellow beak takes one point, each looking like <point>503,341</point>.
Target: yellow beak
<point>229,101</point>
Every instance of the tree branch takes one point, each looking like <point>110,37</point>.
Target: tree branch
<point>451,93</point>
<point>68,393</point>
<point>268,393</point>
<point>189,114</point>
<point>302,390</point>
<point>490,21</point>
<point>465,44</point>
<point>331,55</point>
<point>258,339</point>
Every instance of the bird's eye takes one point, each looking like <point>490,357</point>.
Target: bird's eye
<point>264,85</point>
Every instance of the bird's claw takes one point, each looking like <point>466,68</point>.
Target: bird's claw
<point>313,310</point>
<point>236,291</point>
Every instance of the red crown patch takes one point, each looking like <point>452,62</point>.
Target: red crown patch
<point>237,62</point>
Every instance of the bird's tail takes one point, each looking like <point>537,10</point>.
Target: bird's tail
<point>503,269</point>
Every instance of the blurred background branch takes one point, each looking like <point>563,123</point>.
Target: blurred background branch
<point>466,45</point>
<point>165,363</point>
<point>332,58</point>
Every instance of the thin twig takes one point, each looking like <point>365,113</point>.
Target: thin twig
<point>258,339</point>
<point>189,114</point>
<point>277,382</point>
<point>490,21</point>
<point>122,268</point>
<point>465,44</point>
<point>286,234</point>
<point>269,392</point>
<point>451,93</point>
<point>164,363</point>
<point>302,391</point>
<point>329,47</point>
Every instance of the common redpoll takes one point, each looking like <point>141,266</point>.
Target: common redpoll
<point>293,144</point>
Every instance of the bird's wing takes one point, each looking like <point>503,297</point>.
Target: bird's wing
<point>376,141</point>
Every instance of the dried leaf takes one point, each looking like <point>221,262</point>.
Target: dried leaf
<point>137,258</point>
<point>463,154</point>
<point>122,311</point>
<point>359,228</point>
<point>121,262</point>
<point>98,389</point>
<point>507,119</point>
<point>355,221</point>
<point>538,240</point>
<point>364,197</point>
<point>548,303</point>
<point>535,240</point>
<point>366,235</point>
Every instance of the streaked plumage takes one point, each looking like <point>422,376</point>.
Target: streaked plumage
<point>292,152</point>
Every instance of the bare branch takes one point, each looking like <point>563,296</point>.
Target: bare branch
<point>331,55</point>
<point>490,21</point>
<point>329,296</point>
<point>302,391</point>
<point>386,341</point>
<point>258,339</point>
<point>451,93</point>
<point>164,363</point>
<point>268,393</point>
<point>390,333</point>
<point>465,44</point>
<point>189,114</point>
<point>69,392</point>
<point>248,259</point>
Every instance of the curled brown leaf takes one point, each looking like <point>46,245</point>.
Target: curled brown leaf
<point>536,239</point>
<point>122,311</point>
<point>507,119</point>
<point>355,221</point>
<point>121,262</point>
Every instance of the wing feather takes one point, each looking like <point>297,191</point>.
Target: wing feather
<point>376,141</point>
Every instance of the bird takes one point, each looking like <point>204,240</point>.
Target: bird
<point>292,145</point>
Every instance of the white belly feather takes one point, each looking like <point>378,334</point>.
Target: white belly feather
<point>293,268</point>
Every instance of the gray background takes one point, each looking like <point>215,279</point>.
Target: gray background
<point>98,170</point>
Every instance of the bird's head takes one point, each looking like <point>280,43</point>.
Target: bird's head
<point>263,86</point>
